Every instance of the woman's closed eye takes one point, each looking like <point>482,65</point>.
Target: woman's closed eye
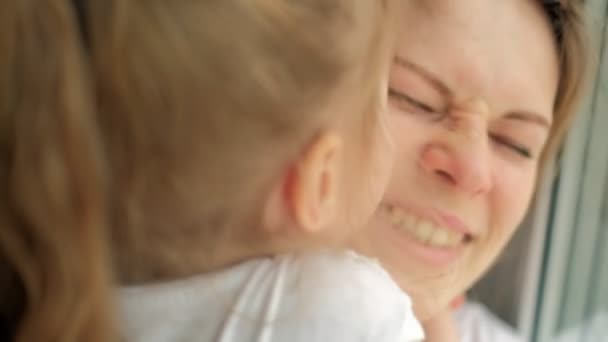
<point>512,146</point>
<point>410,104</point>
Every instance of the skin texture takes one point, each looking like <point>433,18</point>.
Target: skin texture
<point>334,185</point>
<point>471,99</point>
<point>314,194</point>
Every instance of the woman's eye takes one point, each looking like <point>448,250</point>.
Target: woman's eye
<point>511,145</point>
<point>409,102</point>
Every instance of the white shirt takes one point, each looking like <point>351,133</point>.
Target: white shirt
<point>322,296</point>
<point>477,324</point>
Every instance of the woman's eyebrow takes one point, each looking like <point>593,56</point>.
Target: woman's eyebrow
<point>522,115</point>
<point>432,79</point>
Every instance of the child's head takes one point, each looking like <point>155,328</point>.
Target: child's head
<point>226,129</point>
<point>230,125</point>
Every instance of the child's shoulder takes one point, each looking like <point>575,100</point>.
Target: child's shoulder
<point>305,297</point>
<point>346,294</point>
<point>344,277</point>
<point>342,272</point>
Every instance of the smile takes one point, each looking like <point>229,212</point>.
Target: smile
<point>423,230</point>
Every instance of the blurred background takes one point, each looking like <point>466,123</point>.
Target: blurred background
<point>552,282</point>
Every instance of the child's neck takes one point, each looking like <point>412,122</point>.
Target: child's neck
<point>178,262</point>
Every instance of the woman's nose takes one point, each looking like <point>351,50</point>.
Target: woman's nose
<point>460,155</point>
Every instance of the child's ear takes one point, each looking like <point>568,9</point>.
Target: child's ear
<point>307,194</point>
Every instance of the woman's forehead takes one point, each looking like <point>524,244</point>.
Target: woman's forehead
<point>502,50</point>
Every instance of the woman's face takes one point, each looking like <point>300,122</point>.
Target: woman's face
<point>471,99</point>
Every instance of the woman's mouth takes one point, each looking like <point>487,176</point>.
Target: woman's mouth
<point>433,240</point>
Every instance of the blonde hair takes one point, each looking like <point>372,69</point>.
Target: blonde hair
<point>574,58</point>
<point>171,117</point>
<point>52,257</point>
<point>260,71</point>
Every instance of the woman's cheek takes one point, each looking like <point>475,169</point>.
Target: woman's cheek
<point>514,187</point>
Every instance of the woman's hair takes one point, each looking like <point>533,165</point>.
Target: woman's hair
<point>571,35</point>
<point>131,130</point>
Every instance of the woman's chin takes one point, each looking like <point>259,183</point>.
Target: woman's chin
<point>429,307</point>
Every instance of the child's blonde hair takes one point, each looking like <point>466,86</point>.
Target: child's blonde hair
<point>195,106</point>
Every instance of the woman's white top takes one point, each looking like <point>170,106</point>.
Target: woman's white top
<point>477,324</point>
<point>322,296</point>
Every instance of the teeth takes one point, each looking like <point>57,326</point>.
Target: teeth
<point>439,238</point>
<point>423,230</point>
<point>454,238</point>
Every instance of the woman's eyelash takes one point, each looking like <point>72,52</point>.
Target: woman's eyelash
<point>401,97</point>
<point>517,148</point>
<point>506,142</point>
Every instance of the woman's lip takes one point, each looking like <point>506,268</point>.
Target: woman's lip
<point>439,217</point>
<point>452,222</point>
<point>433,256</point>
